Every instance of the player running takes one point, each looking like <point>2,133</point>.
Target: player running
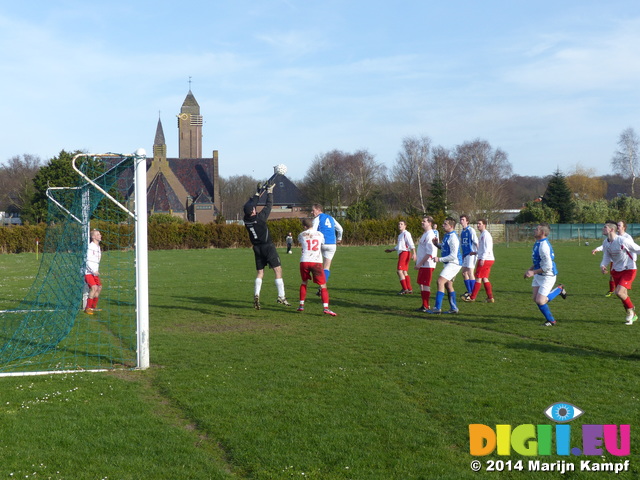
<point>544,273</point>
<point>621,252</point>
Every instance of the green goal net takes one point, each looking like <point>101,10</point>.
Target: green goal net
<point>49,331</point>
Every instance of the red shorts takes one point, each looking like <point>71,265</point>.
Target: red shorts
<point>425,275</point>
<point>92,280</point>
<point>624,278</point>
<point>483,271</point>
<point>309,270</point>
<point>403,261</point>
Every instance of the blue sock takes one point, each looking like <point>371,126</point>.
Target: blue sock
<point>439,297</point>
<point>326,274</point>
<point>466,285</point>
<point>554,293</point>
<point>452,301</point>
<point>546,312</point>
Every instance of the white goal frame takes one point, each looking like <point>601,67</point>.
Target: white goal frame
<point>139,216</point>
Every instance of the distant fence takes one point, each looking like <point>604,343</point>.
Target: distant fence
<point>561,231</point>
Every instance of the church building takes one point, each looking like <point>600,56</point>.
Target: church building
<point>187,187</point>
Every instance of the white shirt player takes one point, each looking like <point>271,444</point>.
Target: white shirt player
<point>405,242</point>
<point>92,264</point>
<point>311,240</point>
<point>485,246</point>
<point>426,247</point>
<point>621,252</point>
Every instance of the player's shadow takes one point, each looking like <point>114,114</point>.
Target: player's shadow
<point>562,350</point>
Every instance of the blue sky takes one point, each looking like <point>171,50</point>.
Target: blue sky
<point>553,83</point>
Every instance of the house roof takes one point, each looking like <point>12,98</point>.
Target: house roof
<point>285,193</point>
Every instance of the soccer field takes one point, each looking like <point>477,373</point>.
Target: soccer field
<point>378,392</point>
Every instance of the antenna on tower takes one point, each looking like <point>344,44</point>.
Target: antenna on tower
<point>189,83</point>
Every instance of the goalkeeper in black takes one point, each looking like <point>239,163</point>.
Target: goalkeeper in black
<point>263,248</point>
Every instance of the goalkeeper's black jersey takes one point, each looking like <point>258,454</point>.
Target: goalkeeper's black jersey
<point>257,225</point>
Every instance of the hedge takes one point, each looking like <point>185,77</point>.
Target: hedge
<point>170,236</point>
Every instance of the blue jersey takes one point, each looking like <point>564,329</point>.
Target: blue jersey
<point>328,226</point>
<point>544,258</point>
<point>451,246</point>
<point>468,241</point>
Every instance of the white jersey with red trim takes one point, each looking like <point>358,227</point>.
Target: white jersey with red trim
<point>311,240</point>
<point>485,246</point>
<point>405,242</point>
<point>92,262</point>
<point>622,252</point>
<point>427,248</point>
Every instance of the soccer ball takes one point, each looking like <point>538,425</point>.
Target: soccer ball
<point>280,169</point>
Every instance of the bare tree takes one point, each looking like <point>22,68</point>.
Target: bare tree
<point>234,192</point>
<point>16,180</point>
<point>360,174</point>
<point>482,176</point>
<point>323,183</point>
<point>337,178</point>
<point>625,160</point>
<point>410,173</point>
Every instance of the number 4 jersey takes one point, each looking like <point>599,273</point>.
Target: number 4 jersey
<point>311,241</point>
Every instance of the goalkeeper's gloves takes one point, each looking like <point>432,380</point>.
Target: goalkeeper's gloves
<point>270,188</point>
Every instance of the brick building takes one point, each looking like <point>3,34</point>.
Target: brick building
<point>187,187</point>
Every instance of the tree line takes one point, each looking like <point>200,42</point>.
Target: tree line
<point>473,177</point>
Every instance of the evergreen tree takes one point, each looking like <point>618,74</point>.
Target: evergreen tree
<point>437,204</point>
<point>559,197</point>
<point>57,173</point>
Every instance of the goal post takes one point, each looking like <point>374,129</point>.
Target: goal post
<point>48,332</point>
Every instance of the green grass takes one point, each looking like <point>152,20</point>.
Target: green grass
<point>379,392</point>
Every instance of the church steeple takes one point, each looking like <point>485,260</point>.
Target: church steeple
<point>190,128</point>
<point>159,144</point>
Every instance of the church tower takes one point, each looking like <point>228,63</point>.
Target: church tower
<point>190,129</point>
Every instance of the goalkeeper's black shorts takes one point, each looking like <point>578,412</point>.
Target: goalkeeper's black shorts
<point>266,254</point>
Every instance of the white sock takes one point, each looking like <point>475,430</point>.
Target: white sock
<point>280,287</point>
<point>257,287</point>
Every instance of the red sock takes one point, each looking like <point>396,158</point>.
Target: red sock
<point>476,289</point>
<point>303,292</point>
<point>489,289</point>
<point>627,303</point>
<point>95,302</point>
<point>425,298</point>
<point>403,284</point>
<point>324,294</point>
<point>612,285</point>
<point>407,282</point>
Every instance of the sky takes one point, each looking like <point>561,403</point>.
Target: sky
<point>552,83</point>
